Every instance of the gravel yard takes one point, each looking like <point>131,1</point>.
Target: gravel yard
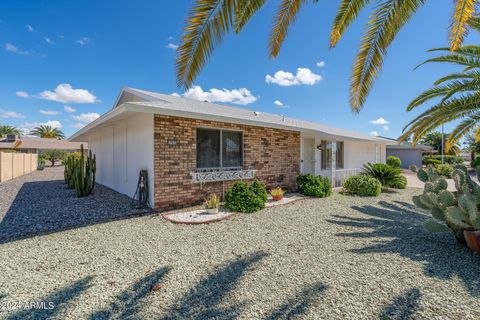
<point>336,258</point>
<point>40,202</point>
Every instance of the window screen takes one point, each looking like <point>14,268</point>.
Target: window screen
<point>208,148</point>
<point>232,149</point>
<point>340,152</point>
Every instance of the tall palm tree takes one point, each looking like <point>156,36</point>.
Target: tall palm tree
<point>6,129</point>
<point>44,131</point>
<point>210,20</point>
<point>459,95</point>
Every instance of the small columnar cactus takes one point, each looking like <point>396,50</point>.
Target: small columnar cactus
<point>456,211</point>
<point>79,173</point>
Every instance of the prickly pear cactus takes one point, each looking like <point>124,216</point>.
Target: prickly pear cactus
<point>455,211</point>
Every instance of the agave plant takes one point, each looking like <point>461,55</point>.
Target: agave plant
<point>459,98</point>
<point>210,20</point>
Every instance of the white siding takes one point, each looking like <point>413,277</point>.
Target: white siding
<point>358,153</point>
<point>122,150</point>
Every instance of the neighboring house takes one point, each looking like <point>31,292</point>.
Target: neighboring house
<point>37,145</point>
<point>192,148</point>
<point>409,154</point>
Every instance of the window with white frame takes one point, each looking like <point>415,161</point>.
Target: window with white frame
<point>219,149</point>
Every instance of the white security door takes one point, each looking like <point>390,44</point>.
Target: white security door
<point>308,156</point>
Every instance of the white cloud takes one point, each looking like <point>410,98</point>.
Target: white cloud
<point>11,48</point>
<point>304,76</point>
<point>321,64</point>
<point>379,121</point>
<point>66,94</point>
<point>10,114</point>
<point>171,46</point>
<point>69,109</point>
<point>83,41</point>
<point>280,104</point>
<point>241,96</point>
<point>78,125</point>
<point>49,112</point>
<point>22,94</point>
<point>374,133</point>
<point>86,118</point>
<point>386,128</point>
<point>29,28</point>
<point>175,94</point>
<point>28,126</point>
<point>48,40</point>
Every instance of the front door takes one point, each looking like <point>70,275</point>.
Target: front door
<point>308,156</point>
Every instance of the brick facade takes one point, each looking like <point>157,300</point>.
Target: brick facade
<point>274,153</point>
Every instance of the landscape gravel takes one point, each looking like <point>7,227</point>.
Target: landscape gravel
<point>341,257</point>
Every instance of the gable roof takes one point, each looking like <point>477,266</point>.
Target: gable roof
<point>407,145</point>
<point>136,100</point>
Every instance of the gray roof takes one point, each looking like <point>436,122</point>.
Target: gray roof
<point>40,143</point>
<point>145,101</point>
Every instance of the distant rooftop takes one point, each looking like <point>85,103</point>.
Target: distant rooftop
<point>39,143</point>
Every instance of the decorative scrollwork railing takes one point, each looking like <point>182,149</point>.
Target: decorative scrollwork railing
<point>201,177</point>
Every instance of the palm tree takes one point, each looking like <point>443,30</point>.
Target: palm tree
<point>6,129</point>
<point>210,20</point>
<point>44,131</point>
<point>459,95</point>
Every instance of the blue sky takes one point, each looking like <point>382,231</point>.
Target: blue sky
<point>59,53</point>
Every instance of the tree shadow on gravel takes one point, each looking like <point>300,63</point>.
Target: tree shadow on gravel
<point>298,304</point>
<point>48,206</point>
<point>58,300</point>
<point>204,300</point>
<point>402,307</point>
<point>129,302</point>
<point>397,227</point>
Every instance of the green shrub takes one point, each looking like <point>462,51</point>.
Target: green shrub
<point>475,163</point>
<point>243,197</point>
<point>384,173</point>
<point>431,161</point>
<point>448,158</point>
<point>260,190</point>
<point>399,183</point>
<point>313,186</point>
<point>394,161</point>
<point>413,168</point>
<point>445,170</point>
<point>362,185</point>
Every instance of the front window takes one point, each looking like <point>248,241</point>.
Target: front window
<point>219,149</point>
<point>340,154</point>
<point>327,155</point>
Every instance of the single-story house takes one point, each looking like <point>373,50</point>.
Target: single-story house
<point>192,148</point>
<point>37,145</point>
<point>408,153</point>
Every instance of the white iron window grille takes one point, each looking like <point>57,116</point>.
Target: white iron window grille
<point>200,177</point>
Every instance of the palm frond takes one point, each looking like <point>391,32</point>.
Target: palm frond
<point>386,21</point>
<point>285,16</point>
<point>454,58</point>
<point>347,12</point>
<point>208,23</point>
<point>464,11</point>
<point>427,95</point>
<point>474,22</point>
<point>461,130</point>
<point>244,10</point>
<point>477,134</point>
<point>458,75</point>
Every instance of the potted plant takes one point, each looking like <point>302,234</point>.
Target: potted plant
<point>277,194</point>
<point>212,203</point>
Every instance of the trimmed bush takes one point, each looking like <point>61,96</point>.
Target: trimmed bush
<point>413,168</point>
<point>445,170</point>
<point>399,183</point>
<point>313,186</point>
<point>475,163</point>
<point>384,173</point>
<point>431,162</point>
<point>362,185</point>
<point>244,197</point>
<point>448,158</point>
<point>260,190</point>
<point>394,161</point>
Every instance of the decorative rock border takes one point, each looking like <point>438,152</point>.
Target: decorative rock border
<point>199,216</point>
